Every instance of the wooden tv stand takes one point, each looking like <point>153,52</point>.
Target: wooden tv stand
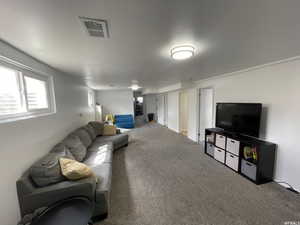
<point>249,156</point>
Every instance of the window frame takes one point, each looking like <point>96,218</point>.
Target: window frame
<point>91,99</point>
<point>22,72</point>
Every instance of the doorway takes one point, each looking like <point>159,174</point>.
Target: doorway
<point>206,109</point>
<point>138,106</point>
<point>183,113</point>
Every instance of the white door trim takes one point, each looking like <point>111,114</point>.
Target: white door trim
<point>199,111</point>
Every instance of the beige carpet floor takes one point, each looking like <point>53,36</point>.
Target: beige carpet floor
<point>162,178</point>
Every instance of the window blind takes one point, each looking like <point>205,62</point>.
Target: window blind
<point>10,98</point>
<point>36,93</point>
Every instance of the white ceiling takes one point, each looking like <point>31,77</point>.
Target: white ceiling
<point>229,35</point>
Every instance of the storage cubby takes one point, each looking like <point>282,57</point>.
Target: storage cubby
<point>251,157</point>
<point>249,152</point>
<point>210,137</point>
<point>210,149</point>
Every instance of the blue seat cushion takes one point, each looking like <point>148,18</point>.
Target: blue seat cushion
<point>125,125</point>
<point>124,121</point>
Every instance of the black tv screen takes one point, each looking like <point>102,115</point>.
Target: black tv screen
<point>243,118</point>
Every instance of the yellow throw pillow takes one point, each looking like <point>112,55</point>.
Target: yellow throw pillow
<point>74,170</point>
<point>109,130</point>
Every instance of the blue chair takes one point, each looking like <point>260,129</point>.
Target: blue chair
<point>124,121</point>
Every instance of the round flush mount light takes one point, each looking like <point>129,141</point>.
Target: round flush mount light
<point>182,52</point>
<point>135,87</point>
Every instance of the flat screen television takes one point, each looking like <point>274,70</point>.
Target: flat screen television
<point>243,118</point>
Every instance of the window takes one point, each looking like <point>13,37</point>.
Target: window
<point>36,92</point>
<point>24,94</point>
<point>10,98</point>
<point>91,99</point>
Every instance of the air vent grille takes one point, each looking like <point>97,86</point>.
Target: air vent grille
<point>95,27</point>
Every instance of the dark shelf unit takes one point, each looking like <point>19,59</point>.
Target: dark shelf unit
<point>251,157</point>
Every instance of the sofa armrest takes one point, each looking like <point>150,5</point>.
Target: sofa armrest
<point>45,196</point>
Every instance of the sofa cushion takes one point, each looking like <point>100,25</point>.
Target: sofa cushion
<point>118,141</point>
<point>98,154</point>
<point>62,148</point>
<point>73,170</point>
<point>104,173</point>
<point>99,146</point>
<point>76,147</point>
<point>98,127</point>
<point>47,171</point>
<point>83,136</point>
<point>90,131</point>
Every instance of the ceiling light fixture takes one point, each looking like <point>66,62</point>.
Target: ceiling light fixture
<point>135,87</point>
<point>182,52</point>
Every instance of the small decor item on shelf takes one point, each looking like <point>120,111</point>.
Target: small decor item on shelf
<point>210,138</point>
<point>250,154</point>
<point>254,153</point>
<point>247,152</point>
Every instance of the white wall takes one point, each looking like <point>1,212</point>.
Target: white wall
<point>24,141</point>
<point>278,88</point>
<point>116,101</point>
<point>173,111</point>
<point>206,109</point>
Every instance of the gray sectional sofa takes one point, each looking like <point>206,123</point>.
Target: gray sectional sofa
<point>43,184</point>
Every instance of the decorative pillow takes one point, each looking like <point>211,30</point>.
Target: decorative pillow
<point>74,170</point>
<point>109,130</point>
<point>47,171</point>
<point>83,136</point>
<point>98,127</point>
<point>76,147</point>
<point>90,131</point>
